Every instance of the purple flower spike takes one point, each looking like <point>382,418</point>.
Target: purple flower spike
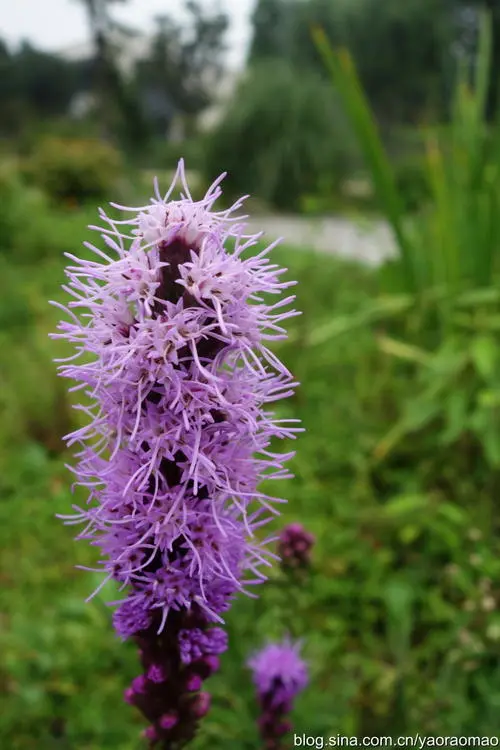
<point>294,547</point>
<point>168,721</point>
<point>171,323</point>
<point>279,674</point>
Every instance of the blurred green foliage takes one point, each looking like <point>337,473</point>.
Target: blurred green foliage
<point>30,231</point>
<point>35,86</point>
<point>412,182</point>
<point>74,169</point>
<point>404,51</point>
<point>451,245</point>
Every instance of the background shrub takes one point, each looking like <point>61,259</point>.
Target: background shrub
<point>74,169</point>
<point>281,138</point>
<point>17,202</point>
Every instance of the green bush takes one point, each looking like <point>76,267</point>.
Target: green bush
<point>74,170</point>
<point>407,453</point>
<point>17,203</point>
<point>31,229</point>
<point>278,140</point>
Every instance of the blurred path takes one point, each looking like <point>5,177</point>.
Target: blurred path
<point>370,242</point>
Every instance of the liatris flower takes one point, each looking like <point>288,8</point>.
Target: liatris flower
<point>279,674</point>
<point>294,546</point>
<point>178,380</point>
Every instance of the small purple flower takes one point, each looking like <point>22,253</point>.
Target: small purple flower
<point>193,683</point>
<point>279,674</point>
<point>151,734</point>
<point>211,664</point>
<point>196,643</point>
<point>129,619</point>
<point>156,673</point>
<point>294,546</point>
<point>139,685</point>
<point>170,325</point>
<point>168,721</point>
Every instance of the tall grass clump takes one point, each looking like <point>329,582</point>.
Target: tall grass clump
<point>451,245</point>
<point>426,485</point>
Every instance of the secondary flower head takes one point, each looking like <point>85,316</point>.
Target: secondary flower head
<point>279,674</point>
<point>279,669</point>
<point>171,322</point>
<point>295,544</point>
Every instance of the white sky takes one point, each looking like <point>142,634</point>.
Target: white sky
<point>59,24</point>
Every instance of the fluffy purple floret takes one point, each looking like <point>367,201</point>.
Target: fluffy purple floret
<point>131,618</point>
<point>279,669</point>
<point>156,673</point>
<point>171,325</point>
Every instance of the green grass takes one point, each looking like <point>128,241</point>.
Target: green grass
<point>382,617</point>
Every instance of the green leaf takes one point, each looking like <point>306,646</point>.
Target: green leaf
<point>452,513</point>
<point>476,297</point>
<point>401,350</point>
<point>488,398</point>
<point>408,534</point>
<point>491,442</point>
<point>406,505</point>
<point>380,309</point>
<point>485,424</point>
<point>456,408</point>
<point>484,353</point>
<point>420,412</point>
<point>347,82</point>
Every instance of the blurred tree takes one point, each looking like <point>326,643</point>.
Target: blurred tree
<point>185,60</point>
<point>9,100</point>
<point>45,81</point>
<point>272,22</point>
<point>399,48</point>
<point>117,102</point>
<point>34,85</point>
